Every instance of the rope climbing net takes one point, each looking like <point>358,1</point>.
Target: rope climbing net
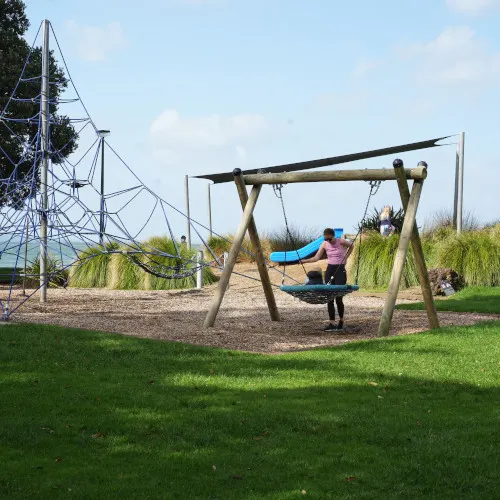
<point>82,220</point>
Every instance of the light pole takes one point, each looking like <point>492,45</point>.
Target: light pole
<point>102,134</point>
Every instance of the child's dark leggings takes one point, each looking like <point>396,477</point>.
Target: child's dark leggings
<point>339,275</point>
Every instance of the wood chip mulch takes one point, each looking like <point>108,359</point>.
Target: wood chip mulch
<point>243,322</point>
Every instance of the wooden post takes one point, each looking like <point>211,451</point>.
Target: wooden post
<point>399,261</point>
<point>380,174</point>
<point>257,250</point>
<point>231,260</point>
<point>417,247</point>
<point>225,257</point>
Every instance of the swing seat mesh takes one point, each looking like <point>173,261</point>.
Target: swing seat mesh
<point>318,294</point>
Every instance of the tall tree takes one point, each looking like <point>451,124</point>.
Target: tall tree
<point>14,136</point>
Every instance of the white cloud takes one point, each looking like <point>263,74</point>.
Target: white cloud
<point>94,42</point>
<point>211,131</point>
<point>344,102</point>
<point>365,66</point>
<point>457,55</point>
<point>473,7</point>
<point>174,137</point>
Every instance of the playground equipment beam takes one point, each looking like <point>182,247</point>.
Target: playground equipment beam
<point>416,244</point>
<point>257,249</point>
<point>409,233</point>
<point>382,174</point>
<point>334,160</point>
<point>400,259</point>
<point>231,259</point>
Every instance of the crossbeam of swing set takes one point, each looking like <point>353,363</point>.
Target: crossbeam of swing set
<point>409,233</point>
<point>381,174</point>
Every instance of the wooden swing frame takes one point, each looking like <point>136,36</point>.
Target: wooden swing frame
<point>409,233</point>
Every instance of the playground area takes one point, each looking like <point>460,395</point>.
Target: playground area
<point>243,323</point>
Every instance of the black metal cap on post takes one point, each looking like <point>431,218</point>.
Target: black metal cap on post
<point>236,172</point>
<point>397,163</point>
<point>422,164</point>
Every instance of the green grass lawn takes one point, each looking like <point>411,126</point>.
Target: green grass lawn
<point>473,299</point>
<point>92,415</point>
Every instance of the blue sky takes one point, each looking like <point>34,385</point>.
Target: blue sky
<point>202,86</point>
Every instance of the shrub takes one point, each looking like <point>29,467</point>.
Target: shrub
<point>57,276</point>
<point>441,223</point>
<point>93,269</point>
<point>281,241</point>
<point>475,255</point>
<point>220,244</point>
<point>166,245</point>
<point>117,271</point>
<point>376,262</point>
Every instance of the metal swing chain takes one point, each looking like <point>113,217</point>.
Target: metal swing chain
<point>277,188</point>
<point>374,187</point>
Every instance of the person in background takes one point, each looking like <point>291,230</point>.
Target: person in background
<point>337,250</point>
<point>386,227</point>
<point>183,240</point>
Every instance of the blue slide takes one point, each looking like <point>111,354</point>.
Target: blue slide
<point>293,256</point>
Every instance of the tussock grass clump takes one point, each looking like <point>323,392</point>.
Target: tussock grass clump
<point>166,245</point>
<point>119,272</point>
<point>220,244</point>
<point>475,255</point>
<point>280,241</point>
<point>93,270</point>
<point>441,223</point>
<point>493,230</point>
<point>124,274</point>
<point>377,260</point>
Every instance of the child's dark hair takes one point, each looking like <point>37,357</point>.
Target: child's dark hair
<point>329,231</point>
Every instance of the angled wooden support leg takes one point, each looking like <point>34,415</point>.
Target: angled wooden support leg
<point>231,260</point>
<point>416,243</point>
<point>257,250</point>
<point>400,259</point>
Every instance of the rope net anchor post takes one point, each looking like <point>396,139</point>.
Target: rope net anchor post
<point>199,272</point>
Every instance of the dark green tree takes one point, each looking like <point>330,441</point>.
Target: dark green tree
<point>14,51</point>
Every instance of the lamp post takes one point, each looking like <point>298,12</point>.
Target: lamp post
<point>102,134</point>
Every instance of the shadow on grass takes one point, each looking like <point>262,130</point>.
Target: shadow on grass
<point>105,416</point>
